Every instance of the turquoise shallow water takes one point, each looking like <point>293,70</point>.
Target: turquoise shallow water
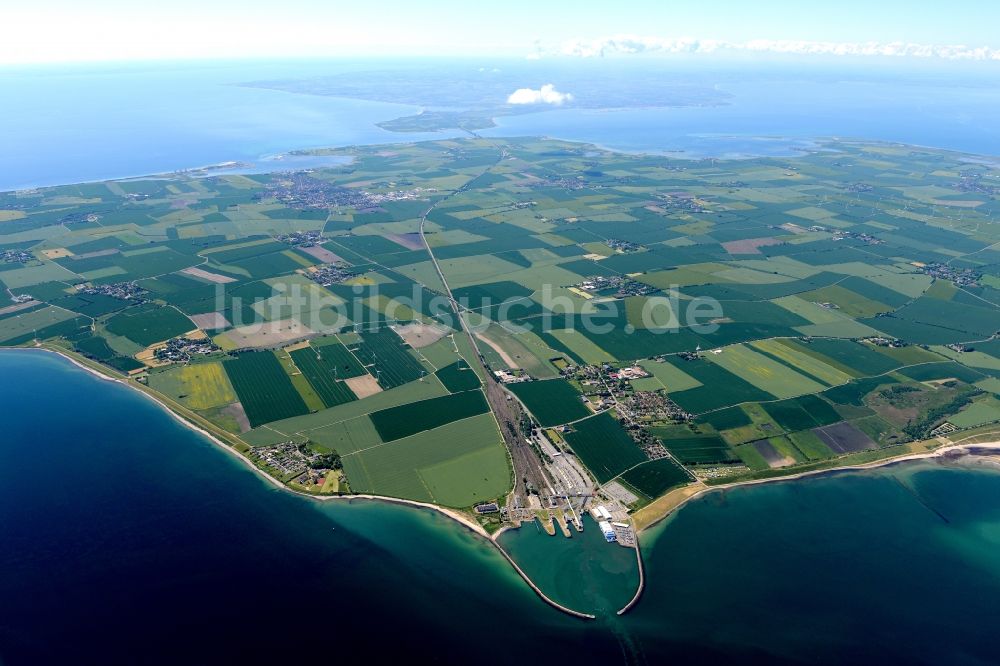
<point>584,572</point>
<point>125,537</point>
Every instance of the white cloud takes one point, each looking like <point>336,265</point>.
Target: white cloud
<point>547,94</point>
<point>633,44</point>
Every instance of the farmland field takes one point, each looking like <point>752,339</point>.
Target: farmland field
<point>552,401</point>
<point>765,373</point>
<point>263,387</point>
<point>148,325</point>
<point>697,449</point>
<point>656,477</point>
<point>199,386</point>
<point>401,395</point>
<point>604,447</point>
<point>457,464</point>
<point>802,413</point>
<point>20,328</point>
<point>336,355</point>
<point>862,359</point>
<point>388,357</point>
<point>347,436</point>
<point>844,438</point>
<point>809,365</point>
<point>458,377</point>
<point>718,387</point>
<point>321,372</point>
<point>398,422</point>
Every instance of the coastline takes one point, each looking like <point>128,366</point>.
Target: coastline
<point>455,515</point>
<point>675,500</point>
<point>694,492</point>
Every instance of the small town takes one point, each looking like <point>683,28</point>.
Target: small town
<point>302,238</point>
<point>292,460</point>
<point>617,286</point>
<point>124,291</point>
<point>962,277</point>
<point>180,350</point>
<point>16,256</point>
<point>681,202</point>
<point>623,246</point>
<point>328,274</point>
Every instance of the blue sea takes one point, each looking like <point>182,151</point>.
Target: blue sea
<point>62,125</point>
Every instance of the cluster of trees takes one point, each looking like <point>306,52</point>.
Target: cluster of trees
<point>921,429</point>
<point>329,460</point>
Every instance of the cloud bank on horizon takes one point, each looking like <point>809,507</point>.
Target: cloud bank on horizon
<point>547,94</point>
<point>634,44</point>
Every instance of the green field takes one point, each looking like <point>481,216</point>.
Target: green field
<point>388,357</point>
<point>458,464</point>
<point>348,436</point>
<point>765,373</point>
<point>718,387</point>
<point>458,377</point>
<point>861,359</point>
<point>338,358</point>
<point>405,420</point>
<point>94,347</point>
<point>401,395</point>
<point>604,447</point>
<point>322,372</point>
<point>725,419</point>
<point>263,387</point>
<point>802,413</point>
<point>795,358</point>
<point>552,402</point>
<point>697,449</point>
<point>41,323</point>
<point>147,325</point>
<point>656,477</point>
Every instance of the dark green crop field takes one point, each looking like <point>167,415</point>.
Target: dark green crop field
<point>147,325</point>
<point>319,371</point>
<point>802,413</point>
<point>398,422</point>
<point>698,449</point>
<point>388,358</point>
<point>656,477</point>
<point>458,377</point>
<point>724,419</point>
<point>861,359</point>
<point>719,387</point>
<point>338,358</point>
<point>264,388</point>
<point>552,402</point>
<point>604,447</point>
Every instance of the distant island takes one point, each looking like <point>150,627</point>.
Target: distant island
<point>471,99</point>
<point>521,330</point>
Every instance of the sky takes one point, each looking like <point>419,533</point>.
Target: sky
<point>38,31</point>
